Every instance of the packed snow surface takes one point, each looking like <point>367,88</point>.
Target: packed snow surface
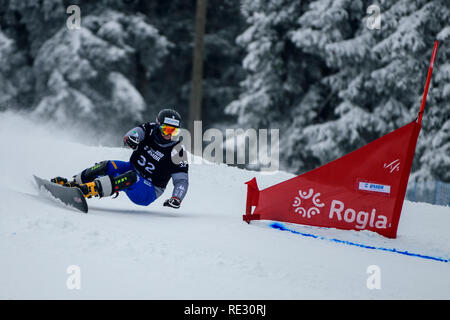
<point>203,250</point>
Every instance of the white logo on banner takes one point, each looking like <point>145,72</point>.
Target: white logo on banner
<point>360,219</point>
<point>393,166</point>
<point>304,196</point>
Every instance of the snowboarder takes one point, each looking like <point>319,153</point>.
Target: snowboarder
<point>157,157</point>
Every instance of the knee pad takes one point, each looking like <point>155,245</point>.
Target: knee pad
<point>108,185</point>
<point>89,174</point>
<point>124,180</point>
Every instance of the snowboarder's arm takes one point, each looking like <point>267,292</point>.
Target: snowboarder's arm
<point>180,185</point>
<point>180,177</point>
<point>133,137</point>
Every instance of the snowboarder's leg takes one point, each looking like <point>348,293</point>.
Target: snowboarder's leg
<point>139,190</point>
<point>103,179</point>
<point>103,168</point>
<point>116,167</point>
<point>123,177</point>
<point>107,185</point>
<point>142,192</point>
<point>89,174</point>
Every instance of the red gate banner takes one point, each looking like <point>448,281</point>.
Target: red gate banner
<point>363,190</point>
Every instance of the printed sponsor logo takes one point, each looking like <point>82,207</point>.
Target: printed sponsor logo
<point>367,186</point>
<point>304,196</point>
<point>148,183</point>
<point>360,219</point>
<point>172,122</point>
<point>155,154</point>
<point>394,166</point>
<point>118,181</point>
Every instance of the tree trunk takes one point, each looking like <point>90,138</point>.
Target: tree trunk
<point>195,107</point>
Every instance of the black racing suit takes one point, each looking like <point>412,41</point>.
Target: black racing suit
<point>158,159</point>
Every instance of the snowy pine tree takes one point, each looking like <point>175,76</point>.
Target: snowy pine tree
<point>434,143</point>
<point>10,60</point>
<point>92,74</point>
<point>360,82</point>
<point>222,71</point>
<point>272,79</point>
<point>312,68</point>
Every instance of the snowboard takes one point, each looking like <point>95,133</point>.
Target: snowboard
<point>71,197</point>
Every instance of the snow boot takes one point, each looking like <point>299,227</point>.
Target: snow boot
<point>90,189</point>
<point>59,180</point>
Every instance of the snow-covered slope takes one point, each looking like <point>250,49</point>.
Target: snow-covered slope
<point>202,251</point>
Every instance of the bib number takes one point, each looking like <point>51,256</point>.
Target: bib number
<point>148,166</point>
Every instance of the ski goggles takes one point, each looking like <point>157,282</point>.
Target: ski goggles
<point>169,130</point>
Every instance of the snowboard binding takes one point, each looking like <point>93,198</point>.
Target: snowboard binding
<point>64,182</point>
<point>89,190</point>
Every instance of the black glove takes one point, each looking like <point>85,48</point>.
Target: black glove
<point>173,203</point>
<point>131,141</point>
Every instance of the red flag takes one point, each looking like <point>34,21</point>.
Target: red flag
<point>363,190</point>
